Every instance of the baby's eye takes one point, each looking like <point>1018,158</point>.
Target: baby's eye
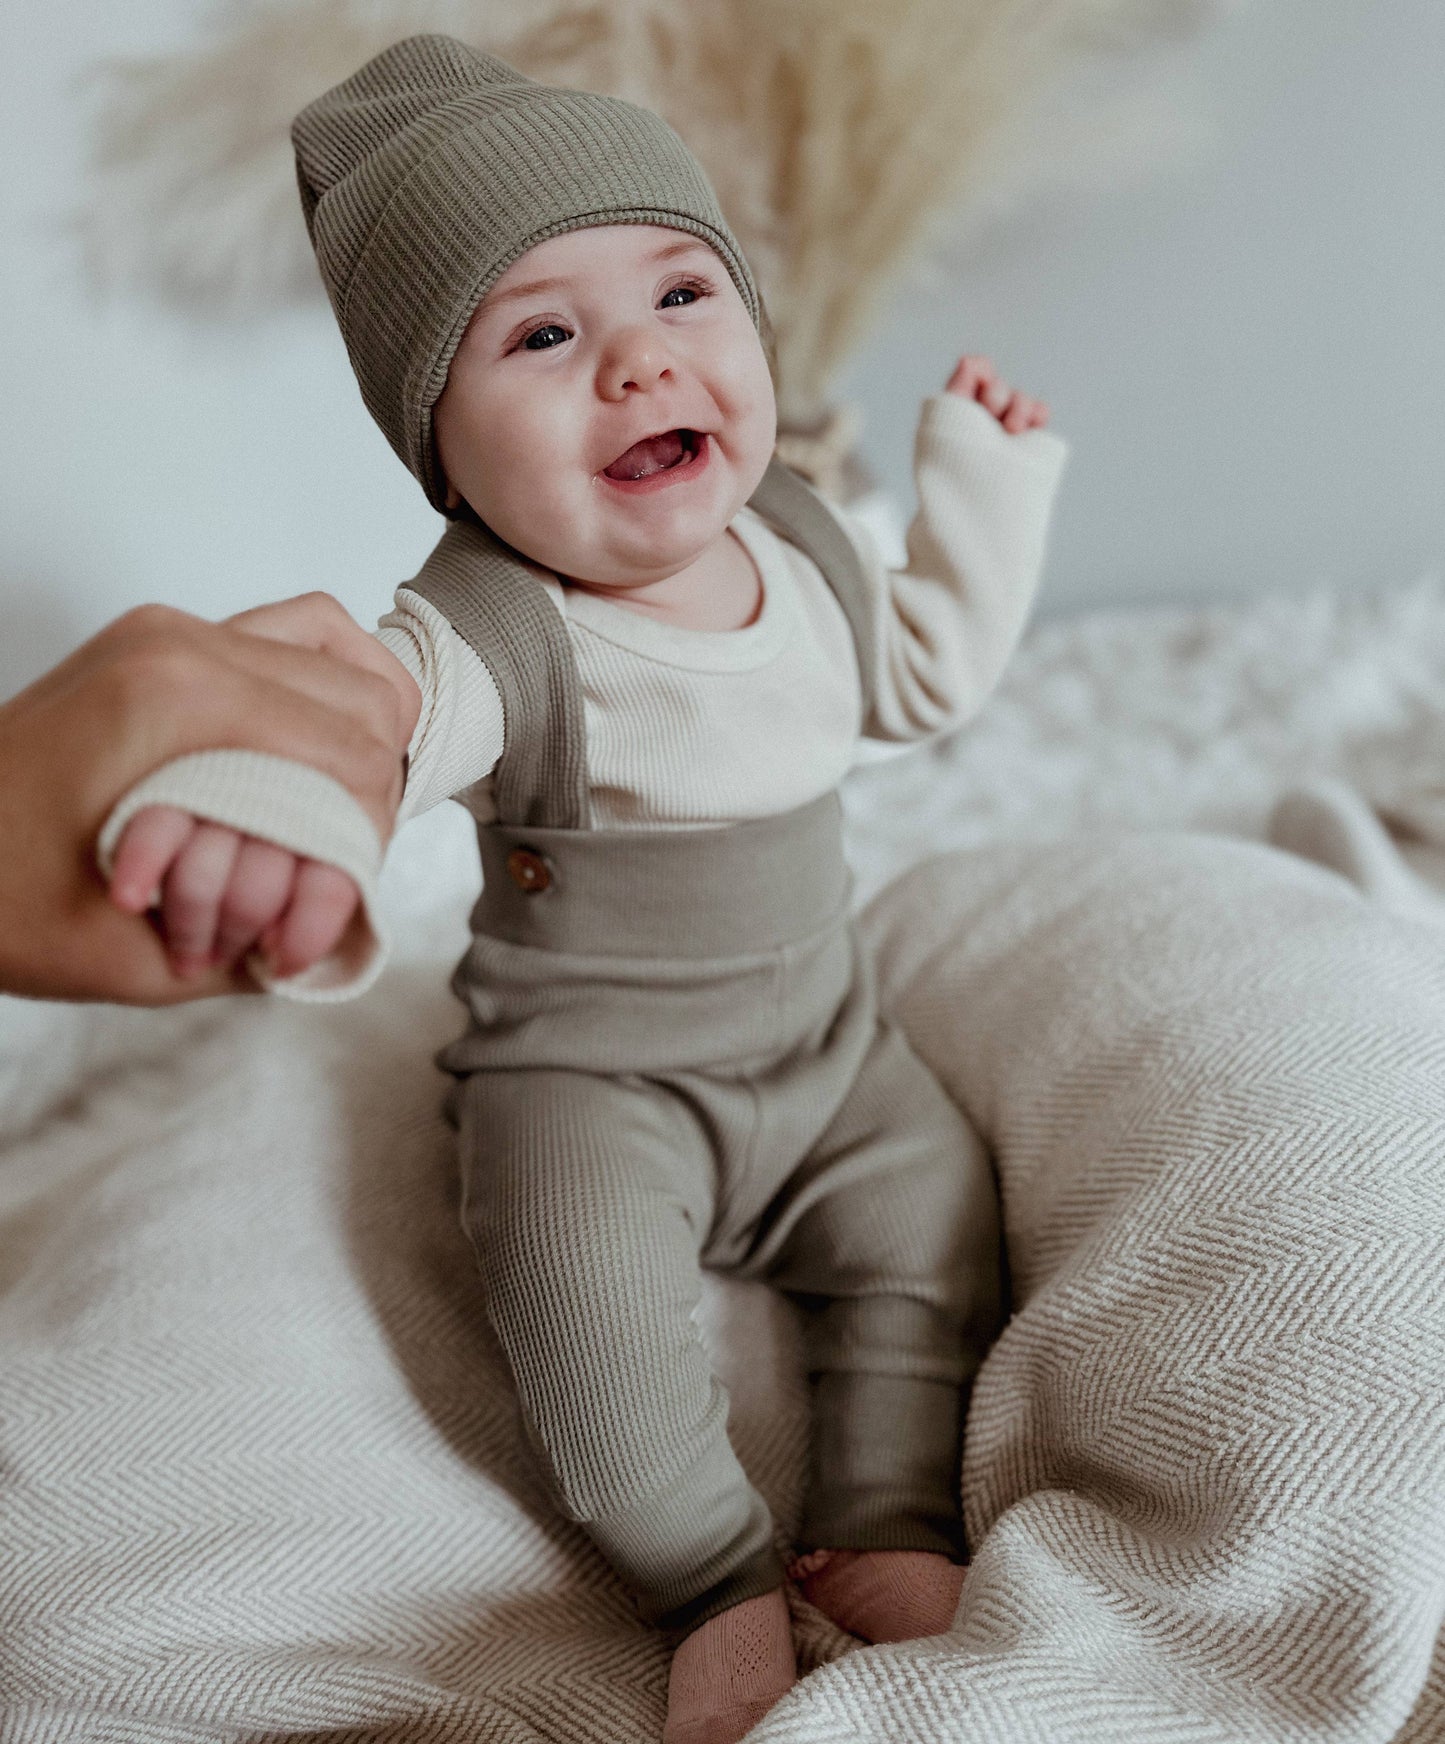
<point>550,327</point>
<point>698,287</point>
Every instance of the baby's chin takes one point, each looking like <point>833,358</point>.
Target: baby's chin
<point>624,571</point>
<point>619,556</point>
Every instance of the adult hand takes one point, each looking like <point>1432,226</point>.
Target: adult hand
<point>298,678</point>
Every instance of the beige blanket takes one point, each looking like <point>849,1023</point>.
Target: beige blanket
<point>261,1475</point>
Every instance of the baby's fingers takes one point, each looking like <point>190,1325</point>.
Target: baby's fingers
<point>1024,413</point>
<point>258,893</point>
<point>969,375</point>
<point>192,892</point>
<point>148,845</point>
<point>975,378</point>
<point>323,902</point>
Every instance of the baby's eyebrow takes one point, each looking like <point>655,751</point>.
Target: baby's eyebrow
<point>537,286</point>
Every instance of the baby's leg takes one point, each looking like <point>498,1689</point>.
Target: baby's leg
<point>587,1200</point>
<point>889,1236</point>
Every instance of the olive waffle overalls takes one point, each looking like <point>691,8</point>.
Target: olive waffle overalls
<point>675,1058</point>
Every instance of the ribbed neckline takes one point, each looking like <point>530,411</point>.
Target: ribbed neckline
<point>699,650</point>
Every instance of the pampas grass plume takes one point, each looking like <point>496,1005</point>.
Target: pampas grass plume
<point>845,137</point>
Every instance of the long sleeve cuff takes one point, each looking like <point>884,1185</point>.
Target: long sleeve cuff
<point>982,456</point>
<point>297,807</point>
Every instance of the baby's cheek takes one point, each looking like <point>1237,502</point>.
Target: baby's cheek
<point>750,424</point>
<point>524,486</point>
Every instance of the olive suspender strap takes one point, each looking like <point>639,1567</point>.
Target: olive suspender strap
<point>503,612</point>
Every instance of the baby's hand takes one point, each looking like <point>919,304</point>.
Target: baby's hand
<point>975,379</point>
<point>218,892</point>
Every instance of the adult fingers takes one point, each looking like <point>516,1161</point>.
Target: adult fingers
<point>147,846</point>
<point>173,688</point>
<point>366,695</point>
<point>320,623</point>
<point>313,620</point>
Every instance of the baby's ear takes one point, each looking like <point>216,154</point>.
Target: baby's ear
<point>453,498</point>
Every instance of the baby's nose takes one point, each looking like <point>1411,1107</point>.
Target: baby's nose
<point>637,359</point>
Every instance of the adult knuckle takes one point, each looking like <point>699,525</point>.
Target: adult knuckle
<point>398,705</point>
<point>326,605</point>
<point>373,766</point>
<point>148,619</point>
<point>381,693</point>
<point>159,672</point>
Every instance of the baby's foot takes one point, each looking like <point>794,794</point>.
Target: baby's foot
<point>881,1595</point>
<point>729,1672</point>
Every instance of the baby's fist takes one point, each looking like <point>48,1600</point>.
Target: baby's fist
<point>976,379</point>
<point>219,892</point>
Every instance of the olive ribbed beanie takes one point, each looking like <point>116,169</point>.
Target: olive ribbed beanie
<point>431,169</point>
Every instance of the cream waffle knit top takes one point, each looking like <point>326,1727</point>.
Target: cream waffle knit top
<point>688,728</point>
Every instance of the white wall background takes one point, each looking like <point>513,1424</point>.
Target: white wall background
<point>1247,353</point>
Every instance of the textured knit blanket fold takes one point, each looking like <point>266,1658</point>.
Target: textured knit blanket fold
<point>1205,1464</point>
<point>261,1475</point>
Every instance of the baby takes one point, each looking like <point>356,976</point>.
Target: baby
<point>646,652</point>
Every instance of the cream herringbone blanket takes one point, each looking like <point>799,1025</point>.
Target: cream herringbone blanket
<point>262,1476</point>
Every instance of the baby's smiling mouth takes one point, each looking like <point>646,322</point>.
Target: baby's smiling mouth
<point>653,454</point>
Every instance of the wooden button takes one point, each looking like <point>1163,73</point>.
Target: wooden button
<point>529,870</point>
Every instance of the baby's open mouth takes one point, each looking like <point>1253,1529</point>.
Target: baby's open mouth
<point>654,454</point>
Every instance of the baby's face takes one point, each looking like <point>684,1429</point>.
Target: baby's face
<point>550,387</point>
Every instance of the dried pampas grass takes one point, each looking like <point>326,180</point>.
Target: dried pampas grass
<point>848,139</point>
<point>192,182</point>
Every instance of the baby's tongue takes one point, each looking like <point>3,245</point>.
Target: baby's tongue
<point>648,457</point>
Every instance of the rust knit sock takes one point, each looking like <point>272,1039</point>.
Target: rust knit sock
<point>729,1672</point>
<point>881,1595</point>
